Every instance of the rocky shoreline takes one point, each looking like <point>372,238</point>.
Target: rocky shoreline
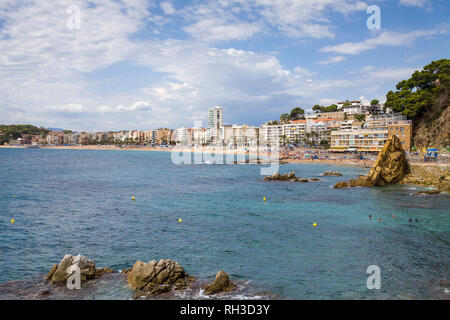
<point>145,279</point>
<point>392,167</point>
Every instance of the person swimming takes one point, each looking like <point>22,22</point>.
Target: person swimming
<point>370,216</point>
<point>379,219</point>
<point>410,220</point>
<point>394,216</point>
<point>416,220</point>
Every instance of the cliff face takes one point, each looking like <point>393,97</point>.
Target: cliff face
<point>433,129</point>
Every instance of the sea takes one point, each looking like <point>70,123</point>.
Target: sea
<point>306,241</point>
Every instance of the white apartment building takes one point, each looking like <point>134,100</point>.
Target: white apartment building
<point>295,131</point>
<point>271,134</point>
<point>215,122</point>
<point>183,136</point>
<point>245,135</point>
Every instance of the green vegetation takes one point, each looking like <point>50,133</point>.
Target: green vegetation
<point>331,108</point>
<point>374,102</point>
<point>8,132</point>
<point>418,95</point>
<point>360,117</point>
<point>297,113</point>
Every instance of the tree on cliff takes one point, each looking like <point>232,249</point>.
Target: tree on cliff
<point>418,95</point>
<point>297,113</point>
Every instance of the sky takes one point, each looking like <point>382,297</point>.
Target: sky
<point>138,65</point>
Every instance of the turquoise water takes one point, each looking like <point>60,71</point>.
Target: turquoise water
<point>79,201</point>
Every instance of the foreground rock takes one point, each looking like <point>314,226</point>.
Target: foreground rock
<point>332,173</point>
<point>429,176</point>
<point>153,278</point>
<point>389,168</point>
<point>59,273</point>
<point>221,284</point>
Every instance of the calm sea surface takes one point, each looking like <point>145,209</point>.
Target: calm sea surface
<point>79,201</point>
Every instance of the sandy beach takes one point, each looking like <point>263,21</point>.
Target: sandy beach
<point>337,161</point>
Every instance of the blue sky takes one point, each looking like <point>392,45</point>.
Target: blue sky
<point>136,64</point>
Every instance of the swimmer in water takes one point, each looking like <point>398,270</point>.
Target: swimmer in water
<point>394,216</point>
<point>370,216</point>
<point>379,219</point>
<point>416,220</point>
<point>410,220</point>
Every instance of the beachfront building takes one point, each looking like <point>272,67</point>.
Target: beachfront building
<point>245,135</point>
<point>403,130</point>
<point>271,134</point>
<point>215,122</point>
<point>198,136</point>
<point>372,135</point>
<point>55,138</point>
<point>369,140</point>
<point>295,131</point>
<point>183,136</point>
<point>226,135</point>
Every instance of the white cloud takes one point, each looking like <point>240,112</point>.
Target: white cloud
<point>386,38</point>
<point>137,106</point>
<point>217,29</point>
<point>335,59</point>
<point>167,8</point>
<point>71,108</point>
<point>413,3</point>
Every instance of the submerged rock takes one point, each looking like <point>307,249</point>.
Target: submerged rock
<point>59,273</point>
<point>221,284</point>
<point>389,168</point>
<point>153,278</point>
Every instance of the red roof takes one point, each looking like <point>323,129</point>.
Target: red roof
<point>298,121</point>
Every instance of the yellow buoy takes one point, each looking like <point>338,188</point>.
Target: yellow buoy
<point>12,221</point>
<point>314,224</point>
<point>133,198</point>
<point>180,220</point>
<point>264,199</point>
<point>14,195</point>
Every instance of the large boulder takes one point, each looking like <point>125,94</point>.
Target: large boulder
<point>59,273</point>
<point>221,284</point>
<point>391,165</point>
<point>389,168</point>
<point>153,278</point>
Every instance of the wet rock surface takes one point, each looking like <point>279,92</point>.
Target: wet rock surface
<point>221,284</point>
<point>154,277</point>
<point>59,273</point>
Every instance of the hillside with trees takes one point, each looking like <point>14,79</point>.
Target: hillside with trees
<point>8,132</point>
<point>424,98</point>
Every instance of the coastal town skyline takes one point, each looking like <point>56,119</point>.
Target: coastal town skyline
<point>92,74</point>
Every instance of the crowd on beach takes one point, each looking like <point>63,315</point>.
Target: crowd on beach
<point>322,154</point>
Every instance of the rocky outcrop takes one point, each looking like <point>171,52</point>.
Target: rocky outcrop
<point>221,284</point>
<point>282,177</point>
<point>389,168</point>
<point>59,273</point>
<point>288,177</point>
<point>153,278</point>
<point>332,173</point>
<point>433,176</point>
